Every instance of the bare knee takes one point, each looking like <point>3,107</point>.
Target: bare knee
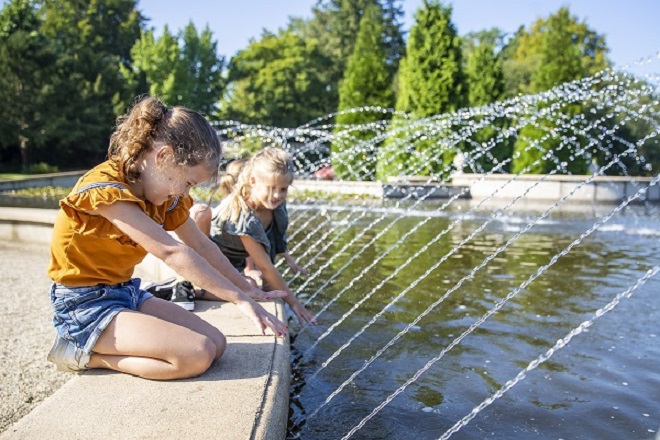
<point>220,345</point>
<point>201,215</point>
<point>198,357</point>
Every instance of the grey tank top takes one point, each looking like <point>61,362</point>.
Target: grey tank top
<point>227,234</point>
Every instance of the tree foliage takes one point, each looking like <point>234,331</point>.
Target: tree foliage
<point>182,69</point>
<point>486,85</point>
<point>367,82</point>
<point>26,57</point>
<point>67,69</point>
<point>93,38</point>
<point>335,25</point>
<point>277,81</point>
<point>431,82</point>
<point>62,62</point>
<point>556,50</point>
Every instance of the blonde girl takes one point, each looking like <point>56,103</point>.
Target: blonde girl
<point>117,213</point>
<point>252,221</point>
<point>201,213</point>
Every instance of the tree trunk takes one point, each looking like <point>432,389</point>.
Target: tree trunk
<point>25,152</point>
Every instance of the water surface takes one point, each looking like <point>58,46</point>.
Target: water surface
<point>604,384</point>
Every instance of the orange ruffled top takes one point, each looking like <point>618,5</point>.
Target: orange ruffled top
<point>88,249</point>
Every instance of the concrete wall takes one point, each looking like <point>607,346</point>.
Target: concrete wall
<point>27,224</point>
<point>339,187</point>
<point>67,179</point>
<point>603,189</point>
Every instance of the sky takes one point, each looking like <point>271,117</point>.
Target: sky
<point>630,26</point>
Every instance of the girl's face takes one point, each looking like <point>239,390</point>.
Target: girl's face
<point>269,191</point>
<point>168,180</point>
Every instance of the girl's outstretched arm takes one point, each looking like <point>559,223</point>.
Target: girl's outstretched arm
<point>185,261</point>
<point>274,279</point>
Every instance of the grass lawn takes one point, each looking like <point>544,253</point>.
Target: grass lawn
<point>12,176</point>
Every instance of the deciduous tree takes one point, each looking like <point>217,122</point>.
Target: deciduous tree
<point>277,81</point>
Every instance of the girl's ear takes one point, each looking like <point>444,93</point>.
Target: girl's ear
<point>164,154</point>
<point>253,180</point>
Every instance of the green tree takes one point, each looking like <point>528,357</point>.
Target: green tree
<point>367,82</point>
<point>486,85</point>
<point>494,37</point>
<point>635,126</point>
<point>204,69</point>
<point>182,69</point>
<point>431,82</point>
<point>557,50</point>
<point>484,74</point>
<point>569,50</point>
<point>518,71</point>
<point>156,66</point>
<point>335,25</point>
<point>26,60</point>
<point>93,38</point>
<point>276,81</point>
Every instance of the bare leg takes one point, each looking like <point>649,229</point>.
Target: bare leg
<point>161,341</point>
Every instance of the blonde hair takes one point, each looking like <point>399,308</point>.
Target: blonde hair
<point>230,178</point>
<point>267,162</point>
<point>187,132</point>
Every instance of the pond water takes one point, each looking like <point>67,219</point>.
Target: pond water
<point>604,384</point>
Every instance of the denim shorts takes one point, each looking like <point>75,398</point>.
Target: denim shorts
<point>82,313</point>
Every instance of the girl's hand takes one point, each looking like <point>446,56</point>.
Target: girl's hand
<point>293,265</point>
<point>304,315</point>
<point>296,268</point>
<point>259,295</point>
<point>256,275</point>
<point>262,319</point>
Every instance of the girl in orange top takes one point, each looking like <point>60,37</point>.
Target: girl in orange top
<point>116,213</point>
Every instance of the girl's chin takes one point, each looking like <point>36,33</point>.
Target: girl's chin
<point>158,201</point>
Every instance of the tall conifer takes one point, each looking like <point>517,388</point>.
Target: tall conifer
<point>485,86</point>
<point>431,81</point>
<point>367,82</point>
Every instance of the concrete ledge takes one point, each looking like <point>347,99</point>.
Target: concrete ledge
<point>27,224</point>
<point>603,189</point>
<point>426,191</point>
<point>339,187</point>
<point>244,395</point>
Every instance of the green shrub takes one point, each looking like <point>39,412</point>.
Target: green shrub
<point>41,168</point>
